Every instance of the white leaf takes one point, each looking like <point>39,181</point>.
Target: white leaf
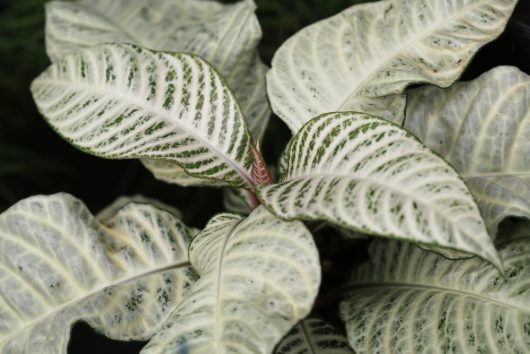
<point>406,300</point>
<point>313,336</point>
<point>226,35</point>
<point>482,128</point>
<point>259,276</point>
<point>123,102</point>
<point>110,211</point>
<point>59,265</point>
<point>362,58</point>
<point>368,175</point>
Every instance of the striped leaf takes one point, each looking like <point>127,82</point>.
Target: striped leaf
<point>363,58</point>
<point>406,300</point>
<point>482,128</point>
<point>259,276</point>
<point>368,175</point>
<point>314,336</point>
<point>123,102</point>
<point>59,265</point>
<point>178,26</point>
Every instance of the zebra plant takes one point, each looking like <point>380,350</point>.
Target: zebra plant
<point>178,84</point>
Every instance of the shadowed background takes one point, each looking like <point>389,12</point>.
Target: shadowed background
<point>35,160</point>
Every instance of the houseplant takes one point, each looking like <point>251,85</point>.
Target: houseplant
<point>352,170</point>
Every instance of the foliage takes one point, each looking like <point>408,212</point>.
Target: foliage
<point>433,175</point>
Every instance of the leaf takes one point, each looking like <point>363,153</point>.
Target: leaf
<point>123,102</point>
<point>368,175</point>
<point>173,173</point>
<point>237,201</point>
<point>406,300</point>
<point>481,127</point>
<point>259,276</point>
<point>177,26</point>
<point>110,211</point>
<point>363,58</point>
<point>59,265</point>
<point>313,336</point>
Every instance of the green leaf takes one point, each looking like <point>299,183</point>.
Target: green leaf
<point>59,265</point>
<point>368,175</point>
<point>363,58</point>
<point>123,102</point>
<point>237,201</point>
<point>482,128</point>
<point>226,35</point>
<point>313,336</point>
<point>406,300</point>
<point>259,276</point>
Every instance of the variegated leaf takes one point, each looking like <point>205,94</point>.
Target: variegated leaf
<point>366,174</point>
<point>110,211</point>
<point>314,336</point>
<point>177,26</point>
<point>406,300</point>
<point>259,276</point>
<point>59,265</point>
<point>362,58</point>
<point>482,128</point>
<point>123,102</point>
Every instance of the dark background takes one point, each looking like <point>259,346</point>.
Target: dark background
<point>34,160</point>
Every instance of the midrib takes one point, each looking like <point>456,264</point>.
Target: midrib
<point>440,290</point>
<point>377,67</point>
<point>90,293</point>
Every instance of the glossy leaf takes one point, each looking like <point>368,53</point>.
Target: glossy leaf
<point>123,102</point>
<point>259,276</point>
<point>363,58</point>
<point>365,174</point>
<point>406,300</point>
<point>59,265</point>
<point>482,128</point>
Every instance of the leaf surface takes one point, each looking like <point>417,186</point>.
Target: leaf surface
<point>362,58</point>
<point>124,102</point>
<point>313,336</point>
<point>59,265</point>
<point>368,175</point>
<point>259,276</point>
<point>482,128</point>
<point>177,26</point>
<point>406,300</point>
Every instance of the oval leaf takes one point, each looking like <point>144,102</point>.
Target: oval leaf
<point>482,128</point>
<point>366,174</point>
<point>358,59</point>
<point>177,26</point>
<point>314,336</point>
<point>120,101</point>
<point>59,265</point>
<point>259,276</point>
<point>406,300</point>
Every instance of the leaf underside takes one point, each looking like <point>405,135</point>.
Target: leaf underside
<point>259,276</point>
<point>482,128</point>
<point>363,58</point>
<point>59,265</point>
<point>406,300</point>
<point>123,102</point>
<point>365,174</point>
